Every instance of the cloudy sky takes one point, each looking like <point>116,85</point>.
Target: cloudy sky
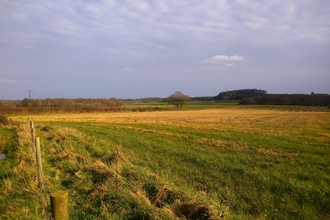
<point>146,48</point>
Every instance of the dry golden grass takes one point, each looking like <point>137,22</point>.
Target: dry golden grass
<point>229,115</point>
<point>267,121</point>
<point>7,187</point>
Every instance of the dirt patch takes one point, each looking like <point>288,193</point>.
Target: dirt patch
<point>194,211</point>
<point>164,197</point>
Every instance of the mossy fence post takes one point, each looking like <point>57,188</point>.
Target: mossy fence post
<point>59,205</point>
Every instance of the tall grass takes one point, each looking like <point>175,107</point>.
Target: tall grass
<point>20,196</point>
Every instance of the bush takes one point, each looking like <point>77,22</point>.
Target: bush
<point>247,101</point>
<point>4,120</point>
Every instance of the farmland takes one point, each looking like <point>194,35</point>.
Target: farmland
<point>230,162</point>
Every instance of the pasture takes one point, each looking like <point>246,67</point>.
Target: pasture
<point>232,162</point>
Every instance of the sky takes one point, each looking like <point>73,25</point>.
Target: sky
<point>145,48</point>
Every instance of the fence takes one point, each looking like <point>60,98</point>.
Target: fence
<point>58,199</point>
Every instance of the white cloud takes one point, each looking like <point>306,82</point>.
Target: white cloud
<point>8,81</point>
<point>222,58</point>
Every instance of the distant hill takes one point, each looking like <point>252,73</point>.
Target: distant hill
<point>239,94</point>
<point>261,97</point>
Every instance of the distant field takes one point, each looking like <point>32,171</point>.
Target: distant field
<point>230,162</point>
<point>188,106</point>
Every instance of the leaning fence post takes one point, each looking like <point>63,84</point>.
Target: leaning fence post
<point>39,162</point>
<point>59,205</point>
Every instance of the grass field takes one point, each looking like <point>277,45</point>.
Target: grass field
<point>188,106</point>
<point>233,162</point>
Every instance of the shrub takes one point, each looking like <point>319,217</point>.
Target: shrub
<point>4,120</point>
<point>247,101</point>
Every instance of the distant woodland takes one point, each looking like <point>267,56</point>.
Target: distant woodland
<point>261,97</point>
<point>239,94</point>
<point>288,99</point>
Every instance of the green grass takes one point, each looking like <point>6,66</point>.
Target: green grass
<point>7,146</point>
<point>236,162</point>
<point>160,105</point>
<point>188,106</point>
<point>19,195</point>
<point>251,184</point>
<point>292,108</point>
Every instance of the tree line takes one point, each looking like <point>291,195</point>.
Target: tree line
<point>246,97</point>
<point>239,94</point>
<point>62,102</point>
<point>178,99</point>
<point>261,97</point>
<point>288,99</point>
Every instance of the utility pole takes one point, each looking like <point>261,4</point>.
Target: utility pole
<point>30,91</point>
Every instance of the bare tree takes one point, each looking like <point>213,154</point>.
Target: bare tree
<point>178,99</point>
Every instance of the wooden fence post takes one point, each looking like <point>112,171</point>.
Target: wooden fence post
<point>33,135</point>
<point>39,161</point>
<point>31,124</point>
<point>59,205</point>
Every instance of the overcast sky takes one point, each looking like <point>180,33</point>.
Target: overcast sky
<point>145,48</point>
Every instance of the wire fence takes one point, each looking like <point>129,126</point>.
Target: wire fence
<point>43,191</point>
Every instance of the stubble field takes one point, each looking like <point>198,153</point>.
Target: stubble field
<point>228,163</point>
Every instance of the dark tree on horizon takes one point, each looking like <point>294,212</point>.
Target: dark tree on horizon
<point>178,99</point>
